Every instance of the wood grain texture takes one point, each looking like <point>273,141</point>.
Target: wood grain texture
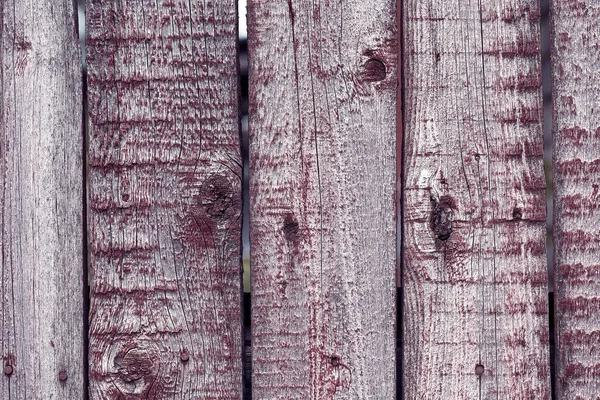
<point>165,200</point>
<point>576,94</point>
<point>41,176</point>
<point>475,279</point>
<point>322,178</point>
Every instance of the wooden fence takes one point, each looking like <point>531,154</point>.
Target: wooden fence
<point>397,201</point>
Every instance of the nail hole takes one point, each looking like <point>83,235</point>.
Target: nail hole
<point>184,356</point>
<point>62,376</point>
<point>335,361</point>
<point>479,370</point>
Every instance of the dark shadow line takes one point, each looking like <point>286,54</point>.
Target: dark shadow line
<point>400,145</point>
<point>85,256</point>
<point>546,74</point>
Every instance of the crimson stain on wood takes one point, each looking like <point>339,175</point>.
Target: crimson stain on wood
<point>165,200</point>
<point>475,279</point>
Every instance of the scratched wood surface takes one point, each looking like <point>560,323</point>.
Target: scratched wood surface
<point>41,175</point>
<point>322,179</point>
<point>164,200</point>
<point>576,72</point>
<point>475,280</point>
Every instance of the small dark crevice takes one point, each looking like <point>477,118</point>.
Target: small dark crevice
<point>246,302</point>
<point>247,352</point>
<point>399,380</point>
<point>552,345</point>
<point>76,5</point>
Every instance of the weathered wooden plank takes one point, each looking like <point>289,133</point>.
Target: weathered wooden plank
<point>475,280</point>
<point>322,125</point>
<point>165,200</point>
<point>576,91</point>
<point>41,175</point>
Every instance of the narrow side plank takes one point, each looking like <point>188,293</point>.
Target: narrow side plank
<point>576,94</point>
<point>322,125</point>
<point>41,176</point>
<point>475,279</point>
<point>165,200</point>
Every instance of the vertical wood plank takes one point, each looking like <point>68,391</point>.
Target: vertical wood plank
<point>41,176</point>
<point>475,279</point>
<point>165,200</point>
<point>322,178</point>
<point>576,92</point>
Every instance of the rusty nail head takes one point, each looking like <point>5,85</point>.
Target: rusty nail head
<point>8,370</point>
<point>62,376</point>
<point>479,370</point>
<point>184,355</point>
<point>335,361</point>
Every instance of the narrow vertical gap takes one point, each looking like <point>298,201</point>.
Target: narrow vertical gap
<point>246,301</point>
<point>400,107</point>
<point>86,271</point>
<point>548,149</point>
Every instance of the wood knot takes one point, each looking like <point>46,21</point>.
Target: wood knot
<point>517,214</point>
<point>290,228</point>
<point>23,45</point>
<point>136,368</point>
<point>216,196</point>
<point>134,364</point>
<point>374,70</point>
<point>440,220</point>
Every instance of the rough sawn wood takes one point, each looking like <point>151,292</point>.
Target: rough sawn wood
<point>322,179</point>
<point>475,279</point>
<point>41,180</point>
<point>165,200</point>
<point>576,96</point>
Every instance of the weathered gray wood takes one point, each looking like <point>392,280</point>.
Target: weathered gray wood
<point>475,280</point>
<point>322,179</point>
<point>41,176</point>
<point>165,200</point>
<point>576,94</point>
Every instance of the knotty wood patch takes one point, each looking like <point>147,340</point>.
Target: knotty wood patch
<point>165,200</point>
<point>475,280</point>
<point>322,179</point>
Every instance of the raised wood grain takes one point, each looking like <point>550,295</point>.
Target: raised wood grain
<point>322,178</point>
<point>164,199</point>
<point>576,94</point>
<point>475,279</point>
<point>41,176</point>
